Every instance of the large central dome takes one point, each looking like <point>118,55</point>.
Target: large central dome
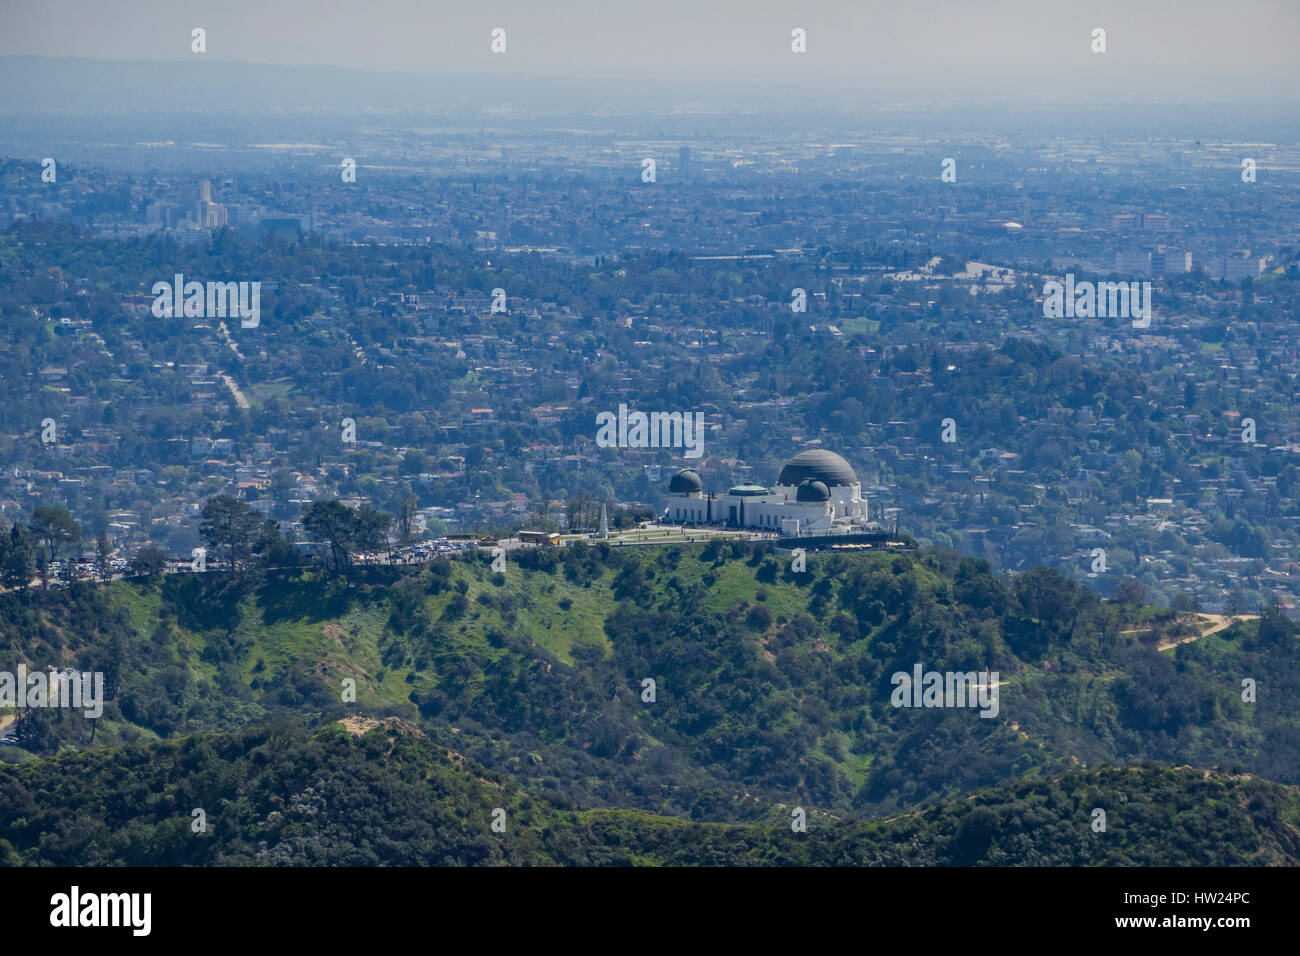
<point>686,482</point>
<point>817,465</point>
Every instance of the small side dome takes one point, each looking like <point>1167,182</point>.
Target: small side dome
<point>685,482</point>
<point>812,491</point>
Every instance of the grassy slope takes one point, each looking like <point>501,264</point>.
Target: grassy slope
<point>237,650</point>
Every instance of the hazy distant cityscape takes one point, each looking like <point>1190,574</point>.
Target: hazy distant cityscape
<point>682,286</point>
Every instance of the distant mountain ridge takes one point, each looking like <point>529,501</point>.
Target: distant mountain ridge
<point>37,84</point>
<point>42,87</point>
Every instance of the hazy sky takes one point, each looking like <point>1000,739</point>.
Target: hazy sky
<point>1191,48</point>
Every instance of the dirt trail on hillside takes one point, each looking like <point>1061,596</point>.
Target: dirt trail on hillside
<point>1219,622</point>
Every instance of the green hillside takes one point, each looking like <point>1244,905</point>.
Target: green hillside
<point>771,688</point>
<point>386,795</point>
